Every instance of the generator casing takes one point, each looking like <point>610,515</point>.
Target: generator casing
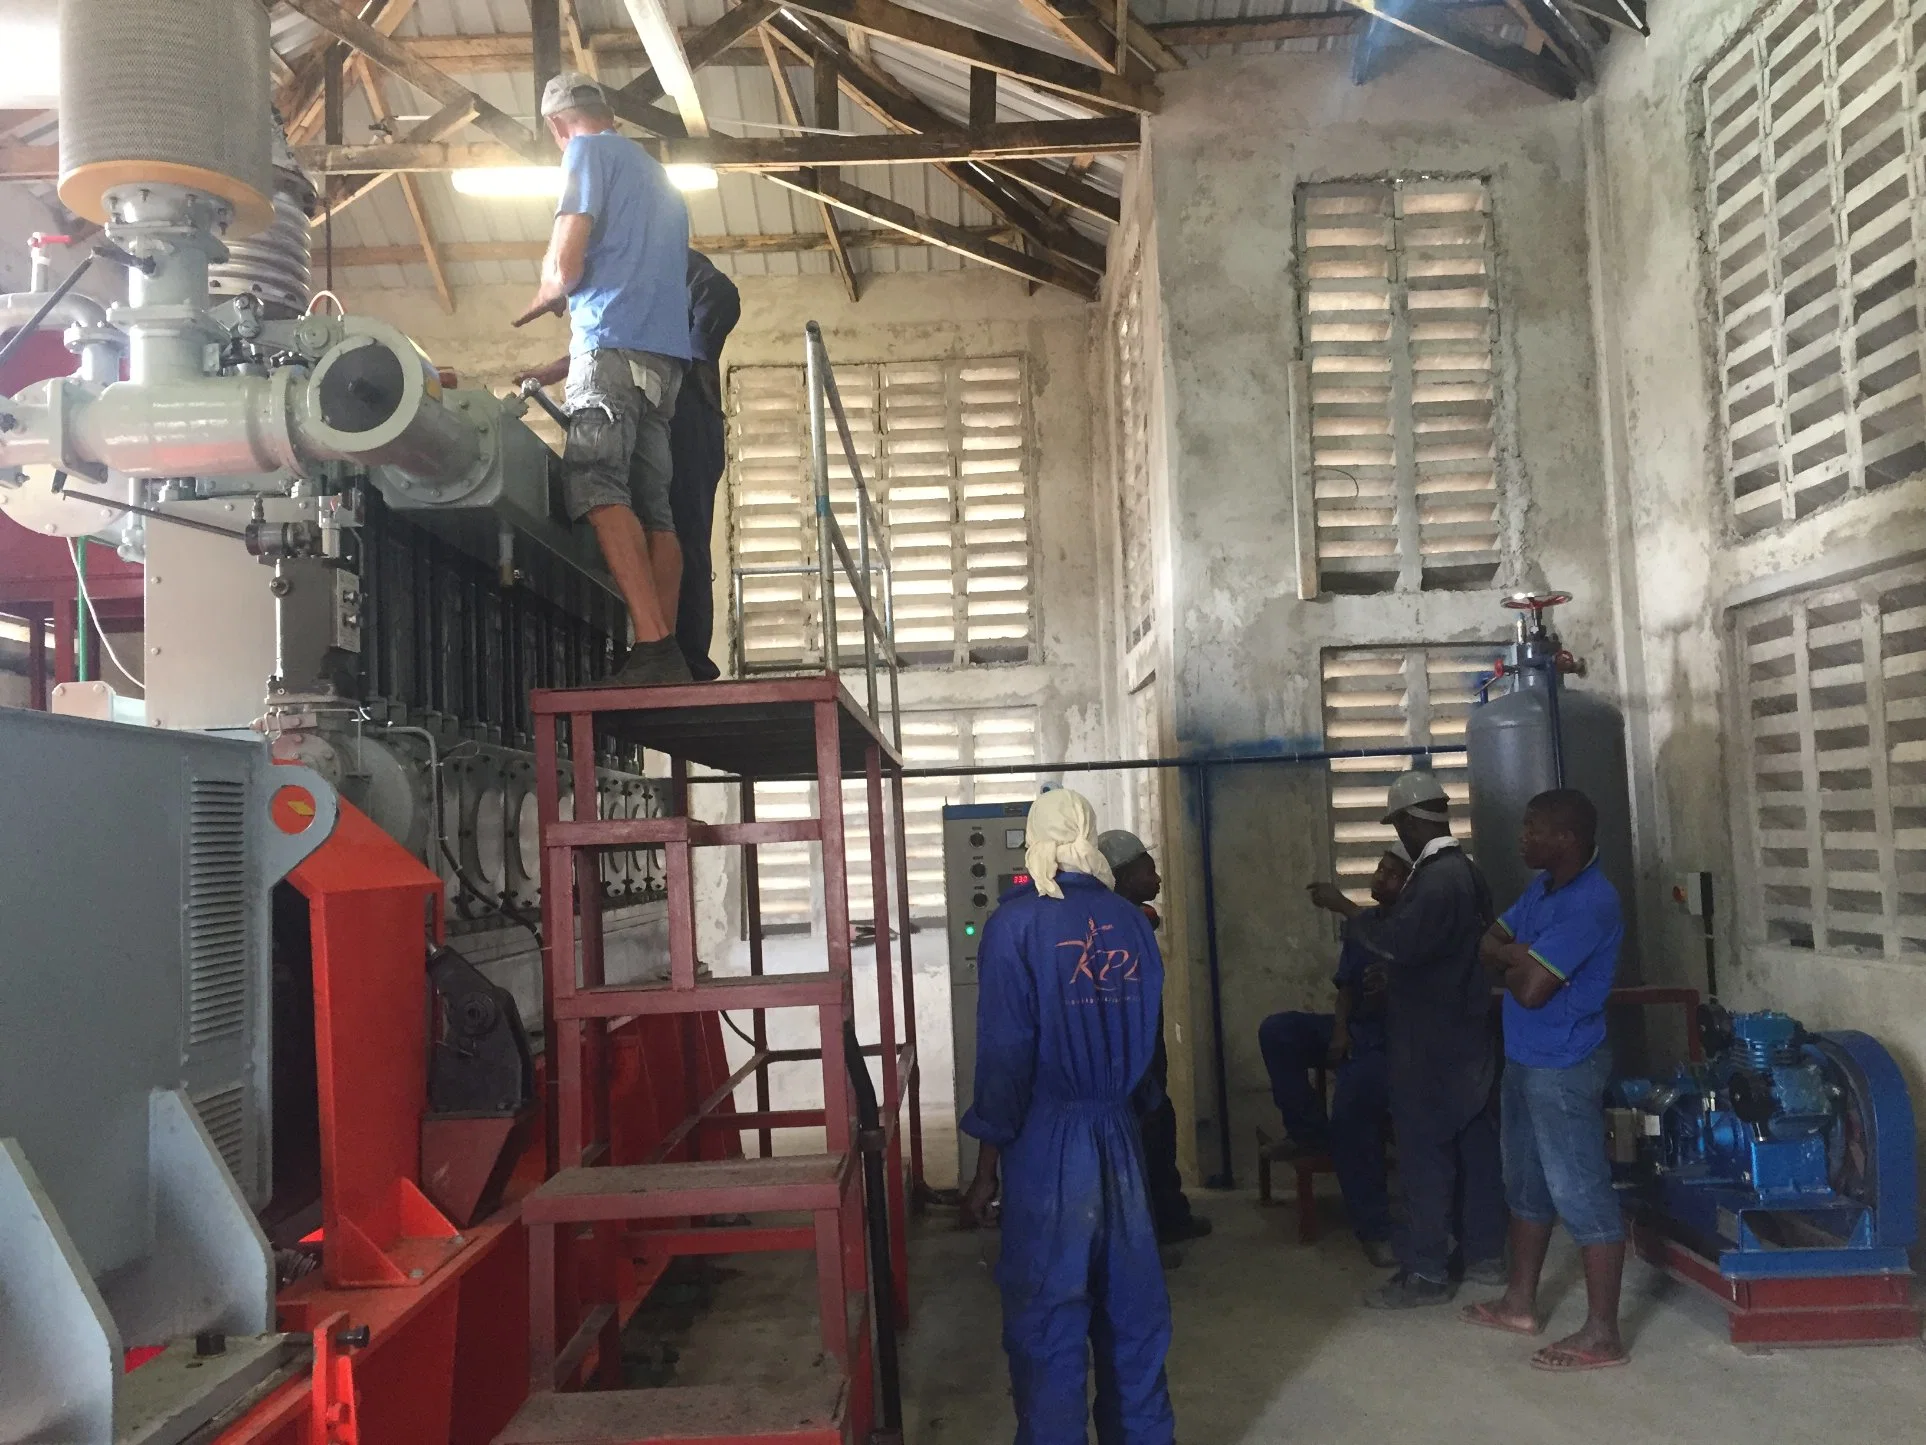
<point>983,847</point>
<point>135,1108</point>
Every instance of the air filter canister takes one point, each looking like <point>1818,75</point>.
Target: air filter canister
<point>168,92</point>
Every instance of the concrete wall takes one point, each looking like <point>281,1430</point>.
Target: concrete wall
<point>909,317</point>
<point>1681,565</point>
<point>1225,156</point>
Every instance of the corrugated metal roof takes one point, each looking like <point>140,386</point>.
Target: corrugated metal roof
<point>738,100</point>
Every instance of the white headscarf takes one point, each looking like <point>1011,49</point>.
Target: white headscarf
<point>1063,834</point>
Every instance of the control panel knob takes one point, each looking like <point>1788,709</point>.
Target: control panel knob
<point>976,840</point>
<point>980,899</point>
<point>977,870</point>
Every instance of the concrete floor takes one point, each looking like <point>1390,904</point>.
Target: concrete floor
<point>1272,1345</point>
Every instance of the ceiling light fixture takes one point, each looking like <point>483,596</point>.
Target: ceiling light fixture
<point>693,178</point>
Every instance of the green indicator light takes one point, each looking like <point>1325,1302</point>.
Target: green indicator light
<point>969,930</point>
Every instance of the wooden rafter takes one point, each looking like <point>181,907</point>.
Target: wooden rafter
<point>668,62</point>
<point>1258,30</point>
<point>892,104</point>
<point>301,112</point>
<point>1049,270</point>
<point>1433,23</point>
<point>1034,67</point>
<point>1566,35</point>
<point>1628,13</point>
<point>410,190</point>
<point>1080,24</point>
<point>580,44</point>
<point>703,46</point>
<point>506,52</point>
<point>444,122</point>
<point>792,115</point>
<point>348,257</point>
<point>1008,141</point>
<point>544,42</point>
<point>1067,188</point>
<point>445,89</point>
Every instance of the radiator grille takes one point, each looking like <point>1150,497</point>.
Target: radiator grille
<point>224,1115</point>
<point>216,910</point>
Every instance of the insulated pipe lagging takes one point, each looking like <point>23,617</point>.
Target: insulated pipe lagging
<point>369,401</point>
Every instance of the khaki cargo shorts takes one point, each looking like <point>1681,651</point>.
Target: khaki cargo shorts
<point>617,454</point>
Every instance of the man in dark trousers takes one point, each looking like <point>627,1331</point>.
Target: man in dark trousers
<point>1349,1041</point>
<point>1137,881</point>
<point>1555,953</point>
<point>1441,1051</point>
<point>698,437</point>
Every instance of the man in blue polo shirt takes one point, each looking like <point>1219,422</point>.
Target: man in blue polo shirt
<point>618,258</point>
<point>1554,953</point>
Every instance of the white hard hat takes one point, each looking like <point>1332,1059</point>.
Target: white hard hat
<point>571,90</point>
<point>1420,794</point>
<point>1119,847</point>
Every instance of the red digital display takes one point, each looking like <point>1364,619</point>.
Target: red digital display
<point>1012,880</point>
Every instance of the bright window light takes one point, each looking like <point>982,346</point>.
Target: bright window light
<point>30,57</point>
<point>693,178</point>
<point>510,182</point>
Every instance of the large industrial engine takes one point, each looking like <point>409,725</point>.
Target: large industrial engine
<point>355,573</point>
<point>1784,1152</point>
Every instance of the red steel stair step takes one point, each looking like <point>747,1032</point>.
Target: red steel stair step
<point>707,1186</point>
<point>812,1413</point>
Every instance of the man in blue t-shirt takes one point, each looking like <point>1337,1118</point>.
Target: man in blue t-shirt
<point>1554,953</point>
<point>618,255</point>
<point>1349,1041</point>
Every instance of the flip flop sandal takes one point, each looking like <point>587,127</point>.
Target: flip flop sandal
<point>1481,1316</point>
<point>1561,1361</point>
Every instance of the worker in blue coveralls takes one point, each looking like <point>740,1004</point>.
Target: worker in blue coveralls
<point>1066,1026</point>
<point>1350,1042</point>
<point>1555,953</point>
<point>1441,1054</point>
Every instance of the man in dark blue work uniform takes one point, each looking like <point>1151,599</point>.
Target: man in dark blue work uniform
<point>1555,953</point>
<point>1350,1041</point>
<point>1135,878</point>
<point>1441,1053</point>
<point>1066,1026</point>
<point>698,450</point>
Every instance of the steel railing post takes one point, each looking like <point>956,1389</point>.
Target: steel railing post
<point>815,360</point>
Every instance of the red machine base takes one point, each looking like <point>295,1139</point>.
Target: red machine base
<point>1775,1314</point>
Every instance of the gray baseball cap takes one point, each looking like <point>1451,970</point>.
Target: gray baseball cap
<point>1119,847</point>
<point>569,91</point>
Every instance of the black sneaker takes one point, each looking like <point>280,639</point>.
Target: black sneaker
<point>1408,1291</point>
<point>650,664</point>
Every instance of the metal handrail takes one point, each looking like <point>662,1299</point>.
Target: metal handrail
<point>832,547</point>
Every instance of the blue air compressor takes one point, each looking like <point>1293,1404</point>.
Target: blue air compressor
<point>1783,1155</point>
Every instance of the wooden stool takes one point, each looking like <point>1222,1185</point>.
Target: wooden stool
<point>1306,1168</point>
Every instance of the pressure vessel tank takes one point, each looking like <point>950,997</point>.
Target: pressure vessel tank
<point>1533,732</point>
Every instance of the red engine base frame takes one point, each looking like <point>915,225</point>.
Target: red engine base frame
<point>1772,1314</point>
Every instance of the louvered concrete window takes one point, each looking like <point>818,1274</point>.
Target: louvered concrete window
<point>946,450</point>
<point>1813,149</point>
<point>1391,697</point>
<point>1399,334</point>
<point>1132,379</point>
<point>1834,722</point>
<point>982,736</point>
